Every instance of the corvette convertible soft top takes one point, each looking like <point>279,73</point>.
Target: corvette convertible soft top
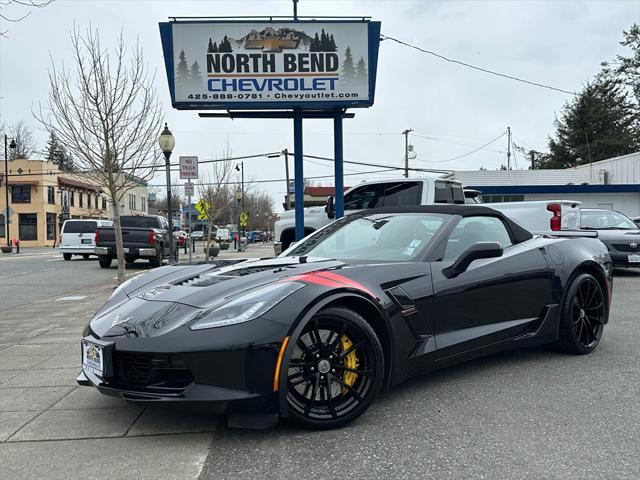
<point>355,308</point>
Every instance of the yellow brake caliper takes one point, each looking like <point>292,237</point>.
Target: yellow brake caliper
<point>350,361</point>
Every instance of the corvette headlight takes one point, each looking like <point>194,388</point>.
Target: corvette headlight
<point>246,306</point>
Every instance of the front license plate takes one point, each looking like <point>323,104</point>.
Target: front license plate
<point>86,240</point>
<point>125,250</point>
<point>93,358</point>
<point>634,258</point>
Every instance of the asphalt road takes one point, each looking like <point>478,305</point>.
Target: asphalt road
<point>42,273</point>
<point>523,414</point>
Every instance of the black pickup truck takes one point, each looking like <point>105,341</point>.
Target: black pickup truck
<point>143,236</point>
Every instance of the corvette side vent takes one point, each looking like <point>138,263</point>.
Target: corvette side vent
<point>241,272</point>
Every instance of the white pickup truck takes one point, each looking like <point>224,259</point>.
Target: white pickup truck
<point>374,194</point>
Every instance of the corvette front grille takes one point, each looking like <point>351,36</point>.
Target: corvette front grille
<point>150,372</point>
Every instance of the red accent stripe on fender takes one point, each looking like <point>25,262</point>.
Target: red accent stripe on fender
<point>345,281</point>
<point>311,278</point>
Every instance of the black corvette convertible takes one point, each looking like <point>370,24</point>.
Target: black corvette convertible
<point>353,309</point>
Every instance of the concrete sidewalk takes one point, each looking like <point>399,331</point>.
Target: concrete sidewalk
<point>52,428</point>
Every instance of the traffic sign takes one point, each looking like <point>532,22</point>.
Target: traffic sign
<point>188,167</point>
<point>202,207</point>
<point>188,189</point>
<point>243,219</point>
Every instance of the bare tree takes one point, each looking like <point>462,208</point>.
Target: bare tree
<point>108,116</point>
<point>217,194</point>
<point>23,10</point>
<point>23,136</point>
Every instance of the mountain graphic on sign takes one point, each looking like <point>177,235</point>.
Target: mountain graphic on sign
<point>274,40</point>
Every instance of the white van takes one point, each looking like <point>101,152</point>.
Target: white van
<point>77,237</point>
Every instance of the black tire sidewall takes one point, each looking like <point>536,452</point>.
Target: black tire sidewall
<point>67,256</point>
<point>342,313</point>
<point>105,262</point>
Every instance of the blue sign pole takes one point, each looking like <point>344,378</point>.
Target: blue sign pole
<point>338,164</point>
<point>298,173</point>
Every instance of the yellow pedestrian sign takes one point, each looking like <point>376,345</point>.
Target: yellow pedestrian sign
<point>243,219</point>
<point>203,208</point>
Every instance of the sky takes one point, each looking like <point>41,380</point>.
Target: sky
<point>452,110</point>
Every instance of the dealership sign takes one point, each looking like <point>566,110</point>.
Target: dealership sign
<point>236,65</point>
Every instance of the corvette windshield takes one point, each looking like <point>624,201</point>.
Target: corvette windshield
<point>601,220</point>
<point>380,237</point>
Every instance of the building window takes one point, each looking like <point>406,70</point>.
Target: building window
<point>2,226</point>
<point>21,194</point>
<point>80,201</point>
<point>51,226</point>
<point>28,226</point>
<point>88,200</point>
<point>51,195</point>
<point>73,199</point>
<point>104,203</point>
<point>97,203</point>
<point>144,204</point>
<point>132,201</point>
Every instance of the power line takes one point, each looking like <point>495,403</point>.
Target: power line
<point>468,153</point>
<point>492,72</point>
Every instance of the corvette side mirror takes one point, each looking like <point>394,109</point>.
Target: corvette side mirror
<point>474,252</point>
<point>330,208</point>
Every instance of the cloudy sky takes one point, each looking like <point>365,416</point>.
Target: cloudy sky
<point>452,109</point>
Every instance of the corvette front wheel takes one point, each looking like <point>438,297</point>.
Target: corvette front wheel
<point>335,370</point>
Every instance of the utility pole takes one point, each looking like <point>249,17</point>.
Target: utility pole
<point>406,152</point>
<point>533,159</point>
<point>286,169</point>
<point>508,148</point>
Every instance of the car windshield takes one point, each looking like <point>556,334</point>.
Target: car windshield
<point>379,237</point>
<point>603,220</point>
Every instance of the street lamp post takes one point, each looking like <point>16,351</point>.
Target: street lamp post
<point>6,186</point>
<point>167,141</point>
<point>241,169</point>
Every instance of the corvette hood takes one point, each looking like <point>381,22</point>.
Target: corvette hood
<point>168,297</point>
<point>200,287</point>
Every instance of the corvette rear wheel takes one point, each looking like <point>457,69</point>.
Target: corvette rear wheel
<point>583,315</point>
<point>335,370</point>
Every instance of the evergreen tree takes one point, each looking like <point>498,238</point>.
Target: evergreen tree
<point>182,73</point>
<point>361,69</point>
<point>348,70</point>
<point>210,48</point>
<point>196,76</point>
<point>225,46</point>
<point>625,70</point>
<point>56,153</point>
<point>215,47</point>
<point>595,125</point>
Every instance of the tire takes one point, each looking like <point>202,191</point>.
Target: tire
<point>156,261</point>
<point>104,261</point>
<point>66,256</point>
<point>583,316</point>
<point>326,388</point>
<point>129,260</point>
<point>85,255</point>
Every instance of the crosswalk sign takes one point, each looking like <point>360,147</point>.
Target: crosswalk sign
<point>243,219</point>
<point>202,207</point>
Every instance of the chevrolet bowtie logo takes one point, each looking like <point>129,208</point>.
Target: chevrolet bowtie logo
<point>272,44</point>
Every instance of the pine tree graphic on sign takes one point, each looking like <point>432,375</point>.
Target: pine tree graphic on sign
<point>361,69</point>
<point>182,71</point>
<point>348,71</point>
<point>196,76</point>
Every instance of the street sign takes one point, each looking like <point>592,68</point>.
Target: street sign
<point>188,189</point>
<point>243,219</point>
<point>203,208</point>
<point>188,167</point>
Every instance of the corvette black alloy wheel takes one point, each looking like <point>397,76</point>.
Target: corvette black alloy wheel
<point>335,370</point>
<point>583,315</point>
